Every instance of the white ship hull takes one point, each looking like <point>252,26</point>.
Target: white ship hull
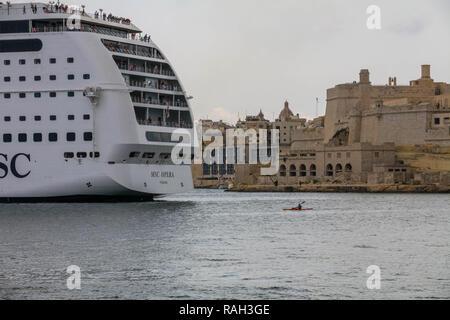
<point>30,175</point>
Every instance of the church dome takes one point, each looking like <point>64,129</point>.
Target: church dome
<point>286,113</point>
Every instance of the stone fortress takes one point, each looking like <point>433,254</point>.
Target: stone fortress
<point>372,138</point>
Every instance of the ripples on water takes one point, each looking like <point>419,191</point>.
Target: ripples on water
<point>216,245</point>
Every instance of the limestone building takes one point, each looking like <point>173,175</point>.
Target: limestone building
<point>371,134</point>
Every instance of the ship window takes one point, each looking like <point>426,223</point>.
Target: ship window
<point>71,136</point>
<point>22,61</point>
<point>22,95</point>
<point>71,77</point>
<point>37,94</point>
<point>135,154</point>
<point>37,61</point>
<point>82,155</point>
<point>94,154</point>
<point>37,78</point>
<point>22,78</point>
<point>70,60</point>
<point>22,118</point>
<point>86,76</point>
<point>37,118</point>
<point>86,117</point>
<point>148,155</point>
<point>71,94</point>
<point>53,137</point>
<point>52,94</point>
<point>37,137</point>
<point>20,45</point>
<point>52,60</point>
<point>14,26</point>
<point>7,119</point>
<point>7,138</point>
<point>7,79</point>
<point>7,62</point>
<point>7,95</point>
<point>22,137</point>
<point>52,118</point>
<point>159,137</point>
<point>71,117</point>
<point>69,155</point>
<point>87,136</point>
<point>52,77</point>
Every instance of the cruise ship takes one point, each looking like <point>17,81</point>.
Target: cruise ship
<point>88,105</point>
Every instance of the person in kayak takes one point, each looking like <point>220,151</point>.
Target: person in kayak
<point>300,205</point>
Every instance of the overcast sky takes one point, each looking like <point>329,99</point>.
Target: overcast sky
<point>239,56</point>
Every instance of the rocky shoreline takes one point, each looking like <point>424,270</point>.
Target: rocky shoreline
<point>345,188</point>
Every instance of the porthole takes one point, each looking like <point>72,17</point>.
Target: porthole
<point>37,137</point>
<point>87,136</point>
<point>71,136</point>
<point>7,138</point>
<point>53,137</point>
<point>22,137</point>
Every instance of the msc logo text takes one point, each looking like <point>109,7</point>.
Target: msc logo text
<point>10,166</point>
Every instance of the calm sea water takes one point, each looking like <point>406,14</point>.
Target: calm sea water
<point>217,245</point>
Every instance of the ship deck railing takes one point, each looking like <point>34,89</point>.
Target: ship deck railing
<point>128,51</point>
<point>92,29</point>
<point>181,125</point>
<point>161,104</point>
<point>139,84</point>
<point>141,69</point>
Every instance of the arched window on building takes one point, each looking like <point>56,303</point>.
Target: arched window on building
<point>302,170</point>
<point>293,171</point>
<point>313,170</point>
<point>348,167</point>
<point>283,170</point>
<point>330,170</point>
<point>338,168</point>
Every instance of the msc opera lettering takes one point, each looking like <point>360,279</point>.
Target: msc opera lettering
<point>6,167</point>
<point>163,174</point>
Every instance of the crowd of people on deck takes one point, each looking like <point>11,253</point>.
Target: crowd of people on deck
<point>129,49</point>
<point>63,8</point>
<point>111,18</point>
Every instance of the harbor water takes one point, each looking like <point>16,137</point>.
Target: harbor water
<point>220,245</point>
